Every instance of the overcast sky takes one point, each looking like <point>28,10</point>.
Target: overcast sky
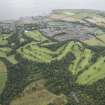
<point>10,9</point>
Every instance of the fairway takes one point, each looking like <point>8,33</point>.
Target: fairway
<point>36,36</point>
<point>82,66</point>
<point>93,73</point>
<point>4,39</point>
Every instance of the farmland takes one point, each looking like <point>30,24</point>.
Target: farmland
<point>96,42</point>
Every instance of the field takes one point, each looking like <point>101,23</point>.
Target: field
<point>39,95</point>
<point>99,41</point>
<point>93,73</point>
<point>78,16</point>
<point>3,76</point>
<point>4,39</point>
<point>36,35</point>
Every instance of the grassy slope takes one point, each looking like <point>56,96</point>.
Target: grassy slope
<point>37,93</point>
<point>3,76</point>
<point>4,39</point>
<point>86,71</point>
<point>81,63</point>
<point>4,51</point>
<point>93,73</point>
<point>36,35</point>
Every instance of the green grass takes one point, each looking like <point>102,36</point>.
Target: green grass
<point>81,66</point>
<point>82,60</point>
<point>3,76</point>
<point>36,35</point>
<point>4,39</point>
<point>51,61</point>
<point>4,51</point>
<point>34,53</point>
<point>12,59</point>
<point>93,73</point>
<point>66,68</point>
<point>86,71</point>
<point>37,53</point>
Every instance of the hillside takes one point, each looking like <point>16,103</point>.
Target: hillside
<point>37,68</point>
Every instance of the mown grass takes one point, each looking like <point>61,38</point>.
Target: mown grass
<point>93,73</point>
<point>35,52</point>
<point>4,39</point>
<point>81,61</point>
<point>36,35</point>
<point>4,53</point>
<point>80,66</point>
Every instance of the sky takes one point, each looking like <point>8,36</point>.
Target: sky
<point>13,9</point>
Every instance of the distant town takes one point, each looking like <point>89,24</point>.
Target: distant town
<point>55,25</point>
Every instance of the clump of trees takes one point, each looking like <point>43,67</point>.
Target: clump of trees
<point>19,76</point>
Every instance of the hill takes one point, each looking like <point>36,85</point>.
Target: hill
<point>39,69</point>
